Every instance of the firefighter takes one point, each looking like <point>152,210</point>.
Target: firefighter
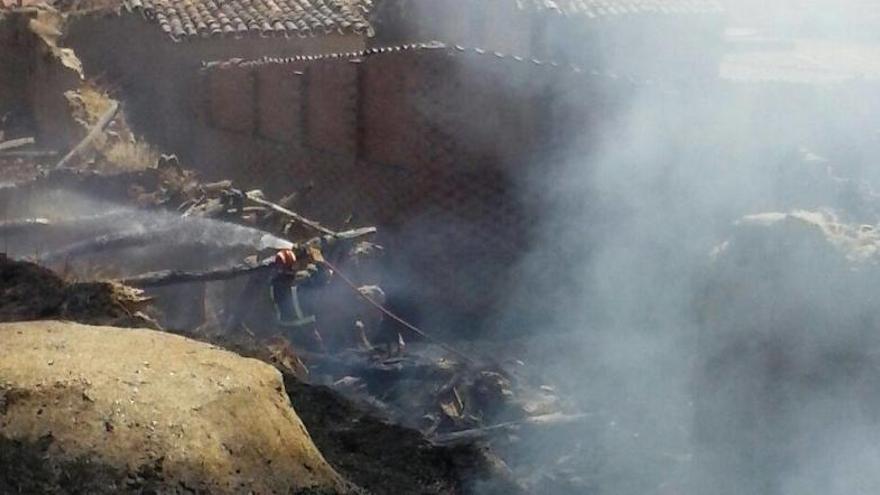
<point>292,290</point>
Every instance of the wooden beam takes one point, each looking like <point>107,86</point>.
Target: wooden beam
<point>480,434</point>
<point>16,143</point>
<point>172,277</point>
<point>93,133</point>
<point>284,211</point>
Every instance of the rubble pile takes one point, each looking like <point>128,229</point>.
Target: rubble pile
<point>449,399</point>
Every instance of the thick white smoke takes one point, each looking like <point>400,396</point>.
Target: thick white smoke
<point>617,273</point>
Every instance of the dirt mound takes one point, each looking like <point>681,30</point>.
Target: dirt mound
<point>31,292</point>
<point>123,408</point>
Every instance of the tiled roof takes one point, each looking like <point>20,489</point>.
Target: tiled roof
<point>185,19</point>
<point>610,8</point>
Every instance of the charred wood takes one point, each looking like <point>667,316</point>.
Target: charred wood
<point>255,197</point>
<point>481,434</point>
<point>28,154</point>
<point>216,187</point>
<point>16,143</point>
<point>210,208</point>
<point>172,277</point>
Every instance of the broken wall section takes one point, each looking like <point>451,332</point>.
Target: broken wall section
<point>16,65</point>
<point>36,78</point>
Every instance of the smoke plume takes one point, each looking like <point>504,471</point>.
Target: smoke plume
<point>620,272</point>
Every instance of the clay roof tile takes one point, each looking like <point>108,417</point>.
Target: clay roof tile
<point>191,18</point>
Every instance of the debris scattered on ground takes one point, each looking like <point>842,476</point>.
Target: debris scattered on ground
<point>388,459</point>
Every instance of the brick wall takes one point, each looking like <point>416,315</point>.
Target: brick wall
<point>280,93</point>
<point>387,118</point>
<point>232,100</point>
<point>331,107</point>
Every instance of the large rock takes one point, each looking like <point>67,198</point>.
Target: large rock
<point>117,409</point>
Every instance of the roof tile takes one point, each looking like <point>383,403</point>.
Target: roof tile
<point>185,19</point>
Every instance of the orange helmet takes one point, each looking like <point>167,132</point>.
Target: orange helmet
<point>285,259</point>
